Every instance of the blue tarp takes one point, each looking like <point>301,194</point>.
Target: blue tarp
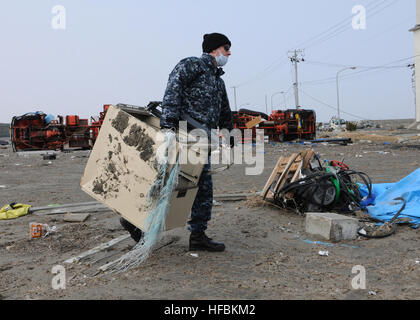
<point>381,204</point>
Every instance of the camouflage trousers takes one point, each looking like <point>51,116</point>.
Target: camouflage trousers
<point>203,203</point>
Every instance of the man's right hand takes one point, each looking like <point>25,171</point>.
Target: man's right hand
<point>164,129</point>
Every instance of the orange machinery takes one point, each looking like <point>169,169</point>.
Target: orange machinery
<point>38,131</point>
<point>281,125</point>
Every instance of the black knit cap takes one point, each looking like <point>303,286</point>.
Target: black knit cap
<point>213,41</point>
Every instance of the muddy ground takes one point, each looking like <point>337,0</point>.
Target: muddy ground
<point>266,255</point>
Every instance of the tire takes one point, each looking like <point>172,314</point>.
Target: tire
<point>281,137</point>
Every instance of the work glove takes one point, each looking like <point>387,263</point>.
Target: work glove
<point>166,137</point>
<point>166,128</point>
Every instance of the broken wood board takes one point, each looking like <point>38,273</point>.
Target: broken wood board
<point>251,124</point>
<point>310,154</point>
<point>287,168</point>
<point>69,205</point>
<point>76,217</point>
<point>234,196</point>
<point>306,156</point>
<point>283,176</point>
<point>273,175</point>
<point>86,209</point>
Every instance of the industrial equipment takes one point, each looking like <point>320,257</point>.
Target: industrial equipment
<point>39,131</point>
<point>281,125</point>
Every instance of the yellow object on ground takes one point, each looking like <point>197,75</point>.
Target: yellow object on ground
<point>14,211</point>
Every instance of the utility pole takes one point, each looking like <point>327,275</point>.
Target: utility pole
<point>338,96</point>
<point>416,35</point>
<point>297,56</point>
<point>234,93</point>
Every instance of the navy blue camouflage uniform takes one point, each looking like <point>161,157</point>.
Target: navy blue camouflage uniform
<point>196,89</point>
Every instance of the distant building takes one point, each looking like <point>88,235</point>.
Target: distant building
<point>416,33</point>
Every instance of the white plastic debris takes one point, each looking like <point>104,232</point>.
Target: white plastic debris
<point>372,293</point>
<point>362,231</point>
<point>323,253</point>
<point>194,255</point>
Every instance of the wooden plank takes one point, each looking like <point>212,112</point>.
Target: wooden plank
<point>274,173</point>
<point>69,205</point>
<point>76,217</point>
<point>297,171</point>
<point>253,122</point>
<point>294,166</point>
<point>98,208</point>
<point>101,247</point>
<point>234,196</point>
<point>299,167</point>
<point>286,171</point>
<point>308,158</point>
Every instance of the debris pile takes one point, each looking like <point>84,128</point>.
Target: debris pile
<point>304,183</point>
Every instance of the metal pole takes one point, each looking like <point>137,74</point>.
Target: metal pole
<point>272,102</point>
<point>234,92</point>
<point>273,96</point>
<point>338,101</point>
<point>338,97</point>
<point>266,104</point>
<point>296,82</point>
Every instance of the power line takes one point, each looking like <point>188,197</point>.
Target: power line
<point>348,76</point>
<point>347,65</point>
<point>346,26</point>
<point>367,69</point>
<point>377,35</point>
<point>330,106</point>
<point>323,36</point>
<point>336,27</point>
<point>394,26</point>
<point>273,66</point>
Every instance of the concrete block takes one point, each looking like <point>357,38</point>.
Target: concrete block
<point>331,226</point>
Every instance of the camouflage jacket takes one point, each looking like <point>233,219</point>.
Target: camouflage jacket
<point>196,88</point>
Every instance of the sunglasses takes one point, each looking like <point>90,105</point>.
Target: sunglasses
<point>226,47</point>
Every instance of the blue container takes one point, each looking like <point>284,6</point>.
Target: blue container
<point>48,118</point>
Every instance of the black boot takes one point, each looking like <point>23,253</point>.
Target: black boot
<point>135,232</point>
<point>199,241</point>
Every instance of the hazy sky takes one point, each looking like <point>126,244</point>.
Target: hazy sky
<point>123,51</point>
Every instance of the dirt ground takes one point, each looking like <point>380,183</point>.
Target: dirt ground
<point>266,254</point>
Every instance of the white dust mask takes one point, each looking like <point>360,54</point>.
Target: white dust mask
<point>221,60</point>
